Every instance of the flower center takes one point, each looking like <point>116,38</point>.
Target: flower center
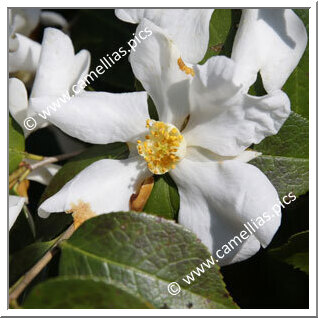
<point>163,148</point>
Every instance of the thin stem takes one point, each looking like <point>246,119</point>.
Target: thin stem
<point>17,173</point>
<point>20,179</point>
<point>37,268</point>
<point>23,171</point>
<point>32,156</point>
<point>48,160</point>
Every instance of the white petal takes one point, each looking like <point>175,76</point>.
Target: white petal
<point>98,117</point>
<point>217,199</point>
<point>223,118</point>
<point>155,65</point>
<point>200,154</point>
<point>49,18</point>
<point>43,174</point>
<point>188,28</point>
<point>15,207</point>
<point>58,69</point>
<point>24,21</point>
<point>18,106</point>
<point>248,248</point>
<point>271,41</point>
<point>106,186</point>
<point>80,69</point>
<point>26,57</point>
<point>18,100</point>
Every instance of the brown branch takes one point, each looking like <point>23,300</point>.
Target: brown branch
<point>48,160</point>
<point>37,268</point>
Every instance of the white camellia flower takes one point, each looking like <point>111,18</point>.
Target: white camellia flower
<point>24,53</point>
<point>187,28</point>
<point>207,120</point>
<point>59,70</point>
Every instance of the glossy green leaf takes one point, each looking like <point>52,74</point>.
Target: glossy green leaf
<point>142,253</point>
<point>297,86</point>
<point>164,199</point>
<point>286,174</point>
<point>57,222</point>
<point>295,252</point>
<point>223,27</point>
<point>291,141</point>
<point>16,144</point>
<point>285,156</point>
<point>82,293</point>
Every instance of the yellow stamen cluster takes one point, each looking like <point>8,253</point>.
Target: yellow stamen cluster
<point>162,148</point>
<point>184,68</point>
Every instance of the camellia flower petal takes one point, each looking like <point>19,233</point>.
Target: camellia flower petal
<point>19,106</point>
<point>58,71</point>
<point>164,82</point>
<point>116,117</point>
<point>218,198</point>
<point>24,52</point>
<point>268,40</point>
<point>24,21</point>
<point>223,118</point>
<point>18,101</point>
<point>59,68</point>
<point>43,174</point>
<point>219,190</point>
<point>15,207</point>
<point>88,190</point>
<point>187,28</point>
<point>50,18</point>
<point>25,57</point>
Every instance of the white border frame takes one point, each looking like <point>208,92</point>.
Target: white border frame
<point>312,159</point>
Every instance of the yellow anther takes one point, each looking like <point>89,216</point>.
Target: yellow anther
<point>184,68</point>
<point>162,148</point>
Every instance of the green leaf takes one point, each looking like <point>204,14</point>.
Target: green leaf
<point>285,156</point>
<point>82,293</point>
<point>297,86</point>
<point>223,27</point>
<point>142,254</point>
<point>164,199</point>
<point>23,260</point>
<point>295,252</point>
<point>291,141</point>
<point>57,222</point>
<point>286,174</point>
<point>16,144</point>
